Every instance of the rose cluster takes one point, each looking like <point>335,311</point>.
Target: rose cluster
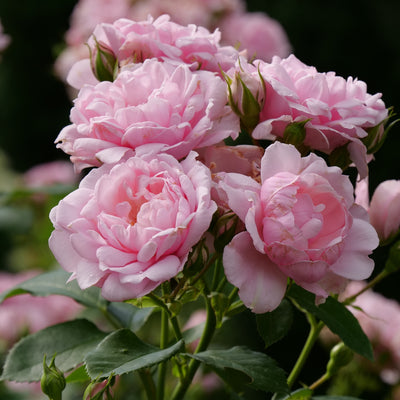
<point>158,120</point>
<point>259,34</point>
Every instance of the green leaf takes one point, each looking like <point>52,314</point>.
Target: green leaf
<point>79,375</point>
<point>129,316</point>
<point>122,352</point>
<point>274,325</point>
<point>338,319</point>
<point>71,341</point>
<point>393,261</point>
<point>55,282</point>
<point>299,394</point>
<point>262,370</point>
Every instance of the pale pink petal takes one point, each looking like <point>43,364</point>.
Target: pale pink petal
<point>354,262</point>
<point>261,284</point>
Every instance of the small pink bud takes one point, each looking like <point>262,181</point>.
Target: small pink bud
<point>384,209</point>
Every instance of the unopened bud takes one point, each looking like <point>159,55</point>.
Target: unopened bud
<point>53,380</point>
<point>104,63</point>
<point>340,356</point>
<point>246,98</point>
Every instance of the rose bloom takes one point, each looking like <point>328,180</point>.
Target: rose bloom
<point>50,173</point>
<point>301,222</point>
<point>133,42</point>
<point>340,110</point>
<point>262,36</point>
<point>384,209</point>
<point>130,226</point>
<point>4,39</point>
<point>200,12</point>
<point>84,18</point>
<point>153,103</point>
<point>88,13</point>
<point>25,313</point>
<point>379,317</point>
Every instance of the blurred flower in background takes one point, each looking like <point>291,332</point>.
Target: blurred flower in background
<point>4,39</point>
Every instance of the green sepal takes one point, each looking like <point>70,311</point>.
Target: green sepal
<point>105,64</point>
<point>375,138</point>
<point>295,132</point>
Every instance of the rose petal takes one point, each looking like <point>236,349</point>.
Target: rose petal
<point>261,284</point>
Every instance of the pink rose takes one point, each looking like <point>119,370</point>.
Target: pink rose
<point>200,12</point>
<point>50,173</point>
<point>340,110</point>
<point>161,38</point>
<point>130,227</point>
<point>384,209</point>
<point>152,103</point>
<point>379,318</point>
<point>88,13</point>
<point>133,42</point>
<point>301,223</point>
<point>262,36</point>
<point>4,39</point>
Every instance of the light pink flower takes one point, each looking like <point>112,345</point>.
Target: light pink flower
<point>242,159</point>
<point>340,110</point>
<point>220,159</point>
<point>200,12</point>
<point>133,42</point>
<point>262,36</point>
<point>361,192</point>
<point>50,173</point>
<point>88,13</point>
<point>26,313</point>
<point>301,223</point>
<point>72,56</point>
<point>4,39</point>
<point>130,227</point>
<point>154,103</point>
<point>384,209</point>
<point>379,317</point>
<point>84,18</point>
